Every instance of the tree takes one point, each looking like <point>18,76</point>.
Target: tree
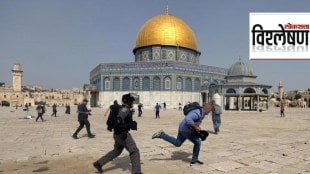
<point>297,96</point>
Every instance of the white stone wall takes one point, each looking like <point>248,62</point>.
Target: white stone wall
<point>150,98</point>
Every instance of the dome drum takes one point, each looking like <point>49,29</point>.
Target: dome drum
<point>166,53</point>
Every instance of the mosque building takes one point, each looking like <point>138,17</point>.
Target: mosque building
<point>167,69</point>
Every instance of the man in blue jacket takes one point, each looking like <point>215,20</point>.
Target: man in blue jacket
<point>187,129</point>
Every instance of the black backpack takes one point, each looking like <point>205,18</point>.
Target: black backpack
<point>112,119</point>
<point>191,106</point>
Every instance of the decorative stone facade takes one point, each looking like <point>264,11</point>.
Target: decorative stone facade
<point>176,80</point>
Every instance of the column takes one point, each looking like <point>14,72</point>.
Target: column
<point>121,83</point>
<point>140,85</point>
<point>88,96</point>
<point>231,102</point>
<point>130,84</point>
<point>101,83</point>
<point>193,81</point>
<point>258,103</point>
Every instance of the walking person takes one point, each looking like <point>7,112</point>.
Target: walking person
<point>188,129</point>
<point>83,113</point>
<point>157,109</point>
<point>282,106</point>
<point>122,138</point>
<point>54,110</point>
<point>164,105</point>
<point>180,106</point>
<point>216,116</point>
<point>140,106</point>
<point>40,110</point>
<point>67,109</point>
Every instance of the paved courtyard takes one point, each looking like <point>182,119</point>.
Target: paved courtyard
<point>249,142</point>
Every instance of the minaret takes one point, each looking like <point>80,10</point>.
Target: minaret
<point>17,77</point>
<point>280,91</point>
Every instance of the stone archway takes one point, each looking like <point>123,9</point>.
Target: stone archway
<point>265,91</point>
<point>249,100</point>
<point>116,84</point>
<point>5,103</point>
<point>146,85</point>
<point>156,83</point>
<point>249,91</point>
<point>231,99</point>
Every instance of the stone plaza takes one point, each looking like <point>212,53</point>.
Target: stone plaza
<point>249,142</point>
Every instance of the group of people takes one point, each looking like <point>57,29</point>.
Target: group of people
<point>122,139</point>
<point>41,109</point>
<point>120,121</point>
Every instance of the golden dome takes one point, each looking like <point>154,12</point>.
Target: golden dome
<point>166,30</point>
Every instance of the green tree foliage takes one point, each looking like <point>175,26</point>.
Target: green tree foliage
<point>297,96</point>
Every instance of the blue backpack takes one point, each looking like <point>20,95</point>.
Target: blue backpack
<point>191,106</point>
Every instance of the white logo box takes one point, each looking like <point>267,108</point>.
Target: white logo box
<point>269,41</point>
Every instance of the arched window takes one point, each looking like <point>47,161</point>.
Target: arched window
<point>231,91</point>
<point>197,84</point>
<point>136,83</point>
<point>265,91</point>
<point>156,83</point>
<point>188,84</point>
<point>116,84</point>
<point>249,90</point>
<point>167,83</point>
<point>126,84</point>
<point>107,83</point>
<point>179,83</point>
<point>146,83</point>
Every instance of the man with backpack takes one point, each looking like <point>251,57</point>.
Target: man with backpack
<point>121,123</point>
<point>40,110</point>
<point>54,110</point>
<point>189,129</point>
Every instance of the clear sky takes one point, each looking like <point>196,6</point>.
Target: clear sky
<point>58,42</point>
